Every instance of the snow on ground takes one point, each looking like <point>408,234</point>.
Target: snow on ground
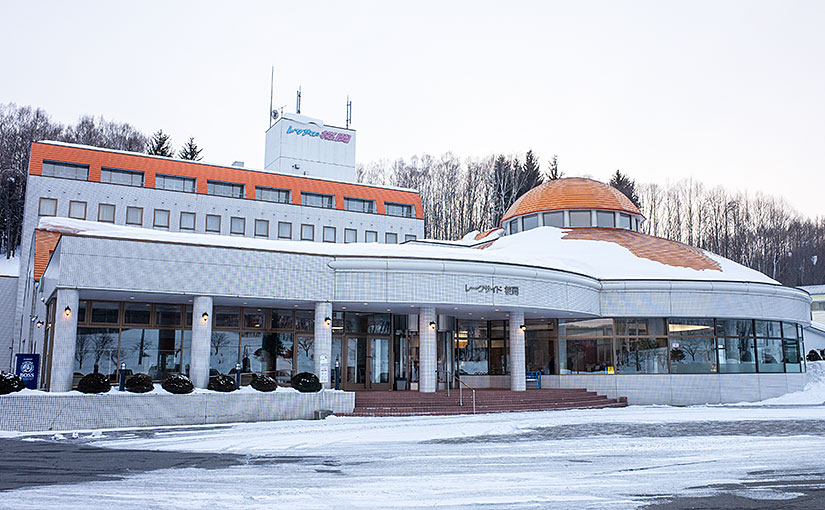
<point>9,266</point>
<point>619,458</point>
<point>814,392</point>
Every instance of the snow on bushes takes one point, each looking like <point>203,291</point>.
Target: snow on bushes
<point>139,383</point>
<point>178,384</point>
<point>10,383</point>
<point>263,383</point>
<point>306,382</point>
<point>222,383</point>
<point>94,383</point>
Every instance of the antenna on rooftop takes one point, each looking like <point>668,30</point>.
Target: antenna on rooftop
<point>272,113</point>
<point>298,102</point>
<point>349,111</point>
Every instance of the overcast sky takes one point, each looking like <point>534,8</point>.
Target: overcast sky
<point>729,93</point>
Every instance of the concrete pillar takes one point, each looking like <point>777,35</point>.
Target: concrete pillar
<point>65,340</point>
<point>518,381</point>
<point>201,341</point>
<point>323,342</point>
<point>427,353</point>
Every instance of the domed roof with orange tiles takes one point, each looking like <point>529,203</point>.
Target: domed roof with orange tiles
<point>571,193</point>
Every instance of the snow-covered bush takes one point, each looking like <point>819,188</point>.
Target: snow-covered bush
<point>222,383</point>
<point>306,382</point>
<point>10,383</point>
<point>263,383</point>
<point>178,384</point>
<point>813,356</point>
<point>94,383</point>
<point>139,383</point>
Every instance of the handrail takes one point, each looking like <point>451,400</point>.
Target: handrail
<point>460,397</point>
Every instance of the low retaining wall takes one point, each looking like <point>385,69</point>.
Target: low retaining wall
<point>683,389</point>
<point>30,411</point>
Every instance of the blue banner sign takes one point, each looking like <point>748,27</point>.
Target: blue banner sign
<point>27,368</point>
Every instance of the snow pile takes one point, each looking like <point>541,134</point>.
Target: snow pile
<point>813,394</point>
<point>9,266</point>
<point>543,247</point>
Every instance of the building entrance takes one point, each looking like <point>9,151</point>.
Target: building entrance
<point>364,361</point>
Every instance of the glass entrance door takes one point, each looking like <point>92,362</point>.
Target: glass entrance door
<point>366,363</point>
<point>355,363</point>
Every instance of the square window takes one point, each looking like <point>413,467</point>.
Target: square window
<point>329,234</point>
<point>605,219</point>
<point>350,235</point>
<point>237,226</point>
<point>409,237</point>
<point>48,207</point>
<point>580,218</point>
<point>134,216</point>
<point>213,223</point>
<point>370,236</point>
<point>530,222</point>
<point>391,238</point>
<point>77,210</point>
<point>307,232</point>
<point>284,230</point>
<point>161,218</point>
<point>261,228</point>
<point>106,213</point>
<point>514,226</point>
<point>624,221</point>
<point>554,219</point>
<point>187,221</point>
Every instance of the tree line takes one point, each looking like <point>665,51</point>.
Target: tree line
<point>460,195</point>
<point>22,125</point>
<point>756,230</point>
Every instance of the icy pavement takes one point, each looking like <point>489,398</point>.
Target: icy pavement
<point>618,458</point>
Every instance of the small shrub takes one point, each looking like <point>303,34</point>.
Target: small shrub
<point>306,382</point>
<point>263,383</point>
<point>139,383</point>
<point>94,383</point>
<point>10,383</point>
<point>813,356</point>
<point>178,384</point>
<point>222,382</point>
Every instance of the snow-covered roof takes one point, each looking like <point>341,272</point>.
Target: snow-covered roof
<point>543,247</point>
<point>813,289</point>
<point>9,266</point>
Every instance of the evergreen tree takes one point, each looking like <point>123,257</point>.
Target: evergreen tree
<point>553,171</point>
<point>626,185</point>
<point>530,174</point>
<point>160,145</point>
<point>190,151</point>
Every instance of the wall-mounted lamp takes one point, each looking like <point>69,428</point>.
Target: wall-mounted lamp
<point>523,327</point>
<point>432,324</point>
<point>67,312</point>
<point>327,321</point>
<point>39,324</point>
<point>205,316</point>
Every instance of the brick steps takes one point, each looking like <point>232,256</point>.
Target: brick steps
<point>412,403</point>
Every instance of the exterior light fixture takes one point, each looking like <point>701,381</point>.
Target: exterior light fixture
<point>327,321</point>
<point>205,316</point>
<point>432,324</point>
<point>523,327</point>
<point>39,324</point>
<point>67,312</point>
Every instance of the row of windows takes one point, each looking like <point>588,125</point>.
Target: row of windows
<point>237,225</point>
<point>220,188</point>
<point>603,219</point>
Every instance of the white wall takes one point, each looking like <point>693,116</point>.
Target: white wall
<point>301,145</point>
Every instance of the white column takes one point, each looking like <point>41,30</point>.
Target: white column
<point>323,342</point>
<point>201,341</point>
<point>517,357</point>
<point>427,352</point>
<point>65,340</point>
